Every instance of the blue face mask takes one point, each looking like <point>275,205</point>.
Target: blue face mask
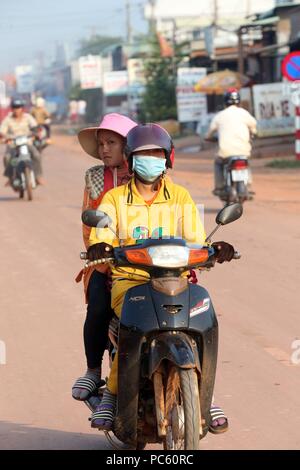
<point>147,167</point>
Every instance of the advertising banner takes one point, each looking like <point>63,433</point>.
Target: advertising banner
<point>191,105</point>
<point>116,83</point>
<point>273,109</point>
<point>90,72</point>
<point>24,79</point>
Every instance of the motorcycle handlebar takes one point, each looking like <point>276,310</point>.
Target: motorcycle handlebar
<point>237,255</point>
<point>83,256</point>
<point>9,140</point>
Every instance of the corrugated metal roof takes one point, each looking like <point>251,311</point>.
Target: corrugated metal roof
<point>274,11</point>
<point>266,21</point>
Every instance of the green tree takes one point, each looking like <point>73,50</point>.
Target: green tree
<point>159,101</point>
<point>76,93</point>
<point>97,44</point>
<point>94,101</point>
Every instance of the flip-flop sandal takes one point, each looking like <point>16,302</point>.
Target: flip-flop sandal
<point>85,383</point>
<point>217,413</point>
<point>103,417</point>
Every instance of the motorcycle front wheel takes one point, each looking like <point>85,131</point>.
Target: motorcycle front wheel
<point>182,410</point>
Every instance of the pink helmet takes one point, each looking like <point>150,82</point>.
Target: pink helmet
<point>112,122</point>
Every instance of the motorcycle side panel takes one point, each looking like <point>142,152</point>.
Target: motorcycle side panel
<point>130,346</point>
<point>138,318</point>
<point>138,309</point>
<point>207,323</point>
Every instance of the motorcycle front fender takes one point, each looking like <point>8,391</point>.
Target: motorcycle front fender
<point>177,348</point>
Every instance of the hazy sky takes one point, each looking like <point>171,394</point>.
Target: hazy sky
<point>29,26</point>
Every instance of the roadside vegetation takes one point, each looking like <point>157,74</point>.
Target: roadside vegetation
<point>284,164</point>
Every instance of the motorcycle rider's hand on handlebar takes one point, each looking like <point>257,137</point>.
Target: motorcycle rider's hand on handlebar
<point>224,251</point>
<point>99,251</point>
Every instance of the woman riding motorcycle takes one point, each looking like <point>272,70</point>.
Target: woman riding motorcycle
<point>106,143</point>
<point>148,206</point>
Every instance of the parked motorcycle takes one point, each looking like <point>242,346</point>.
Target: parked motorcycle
<point>20,168</point>
<point>167,341</point>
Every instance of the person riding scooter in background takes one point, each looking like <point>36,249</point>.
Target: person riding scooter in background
<point>148,206</point>
<point>105,143</point>
<point>235,127</point>
<point>42,116</point>
<point>16,124</point>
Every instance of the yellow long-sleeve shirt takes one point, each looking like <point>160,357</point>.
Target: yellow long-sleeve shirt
<point>172,213</point>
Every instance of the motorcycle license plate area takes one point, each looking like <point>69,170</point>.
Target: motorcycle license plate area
<point>24,150</point>
<point>240,175</point>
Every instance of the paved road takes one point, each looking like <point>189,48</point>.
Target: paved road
<point>42,309</point>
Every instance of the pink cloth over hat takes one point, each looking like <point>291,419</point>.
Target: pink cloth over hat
<point>112,122</point>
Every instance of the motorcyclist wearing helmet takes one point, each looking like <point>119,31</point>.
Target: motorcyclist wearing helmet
<point>148,206</point>
<point>234,126</point>
<point>42,115</point>
<point>105,143</point>
<point>18,123</point>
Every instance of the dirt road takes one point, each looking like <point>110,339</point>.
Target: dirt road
<point>42,309</point>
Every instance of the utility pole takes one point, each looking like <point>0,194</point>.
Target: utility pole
<point>248,8</point>
<point>174,30</point>
<point>129,42</point>
<point>128,22</point>
<point>214,29</point>
<point>152,22</point>
<point>240,51</point>
<point>215,13</point>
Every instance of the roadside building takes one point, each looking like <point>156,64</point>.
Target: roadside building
<point>266,39</point>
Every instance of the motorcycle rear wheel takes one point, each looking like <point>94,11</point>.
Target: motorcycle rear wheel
<point>242,192</point>
<point>182,410</point>
<point>232,194</point>
<point>28,184</point>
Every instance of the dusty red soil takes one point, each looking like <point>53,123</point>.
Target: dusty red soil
<point>42,309</point>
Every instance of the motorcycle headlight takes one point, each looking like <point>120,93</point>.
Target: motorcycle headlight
<point>169,256</point>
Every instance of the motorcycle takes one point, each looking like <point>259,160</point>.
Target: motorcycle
<point>40,137</point>
<point>20,168</point>
<point>237,178</point>
<point>167,341</point>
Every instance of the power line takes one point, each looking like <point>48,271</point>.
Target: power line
<point>66,14</point>
<point>11,24</point>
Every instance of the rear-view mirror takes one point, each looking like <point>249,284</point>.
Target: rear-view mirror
<point>229,214</point>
